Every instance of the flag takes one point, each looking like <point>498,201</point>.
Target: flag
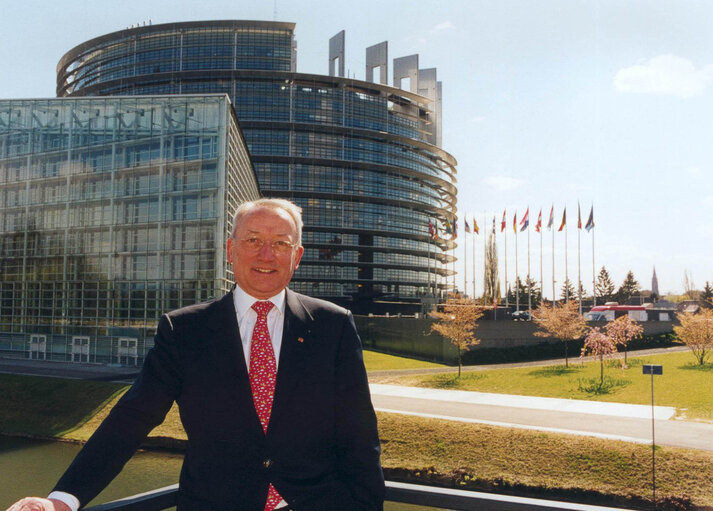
<point>448,227</point>
<point>525,220</point>
<point>476,229</point>
<point>552,217</point>
<point>579,217</point>
<point>504,222</point>
<point>590,222</point>
<point>538,226</point>
<point>493,225</point>
<point>514,223</point>
<point>564,220</point>
<point>454,225</point>
<point>467,227</point>
<point>431,230</point>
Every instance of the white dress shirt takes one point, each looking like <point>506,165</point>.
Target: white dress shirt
<point>247,317</point>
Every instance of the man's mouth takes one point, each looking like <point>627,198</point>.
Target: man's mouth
<point>263,270</point>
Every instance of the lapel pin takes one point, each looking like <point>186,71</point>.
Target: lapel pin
<point>300,339</point>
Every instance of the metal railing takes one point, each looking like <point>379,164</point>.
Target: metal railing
<point>405,493</point>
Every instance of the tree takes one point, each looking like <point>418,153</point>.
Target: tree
<point>696,332</point>
<point>707,293</point>
<point>492,282</point>
<point>562,322</point>
<point>604,287</point>
<point>457,323</point>
<point>628,288</point>
<point>529,286</point>
<point>568,290</point>
<point>689,288</point>
<point>600,345</point>
<point>622,330</point>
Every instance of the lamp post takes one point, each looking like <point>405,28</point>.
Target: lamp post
<point>652,370</point>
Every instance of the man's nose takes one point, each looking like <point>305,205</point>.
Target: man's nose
<point>266,251</point>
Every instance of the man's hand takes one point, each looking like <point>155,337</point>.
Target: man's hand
<point>38,504</point>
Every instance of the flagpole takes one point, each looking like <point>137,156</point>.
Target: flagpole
<point>473,247</point>
<point>485,246</point>
<point>529,285</point>
<point>554,295</point>
<point>517,287</point>
<point>579,258</point>
<point>542,286</point>
<point>465,259</point>
<point>505,231</point>
<point>566,266</point>
<point>594,293</point>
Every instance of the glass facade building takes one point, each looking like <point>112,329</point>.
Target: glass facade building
<point>114,210</point>
<point>361,158</point>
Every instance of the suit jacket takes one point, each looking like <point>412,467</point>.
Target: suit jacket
<point>321,450</point>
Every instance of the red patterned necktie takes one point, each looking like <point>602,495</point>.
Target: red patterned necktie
<point>263,373</point>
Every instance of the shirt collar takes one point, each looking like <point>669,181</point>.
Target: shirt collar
<point>244,302</point>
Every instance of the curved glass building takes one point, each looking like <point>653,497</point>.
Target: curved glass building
<point>363,159</point>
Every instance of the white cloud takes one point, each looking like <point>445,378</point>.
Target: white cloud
<point>664,74</point>
<point>503,183</point>
<point>444,25</point>
<point>694,171</point>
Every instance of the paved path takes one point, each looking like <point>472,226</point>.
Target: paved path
<point>614,421</point>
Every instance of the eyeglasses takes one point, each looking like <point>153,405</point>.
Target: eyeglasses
<point>279,247</point>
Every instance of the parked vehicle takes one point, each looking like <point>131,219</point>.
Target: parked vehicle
<point>521,316</point>
<point>612,310</point>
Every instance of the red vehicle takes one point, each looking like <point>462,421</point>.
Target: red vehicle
<point>612,310</point>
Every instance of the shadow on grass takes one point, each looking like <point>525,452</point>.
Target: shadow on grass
<point>596,387</point>
<point>549,371</point>
<point>50,406</point>
<point>705,368</point>
<point>450,381</point>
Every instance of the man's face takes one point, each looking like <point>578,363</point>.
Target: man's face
<point>264,273</point>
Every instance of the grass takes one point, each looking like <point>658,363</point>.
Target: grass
<point>457,454</point>
<point>491,458</point>
<point>376,361</point>
<point>683,385</point>
<point>50,406</point>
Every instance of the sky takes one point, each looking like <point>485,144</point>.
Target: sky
<point>546,103</point>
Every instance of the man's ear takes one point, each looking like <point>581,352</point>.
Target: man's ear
<point>298,256</point>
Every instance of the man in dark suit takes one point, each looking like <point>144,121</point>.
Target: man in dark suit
<point>271,388</point>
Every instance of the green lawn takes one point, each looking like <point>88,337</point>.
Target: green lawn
<point>683,385</point>
<point>376,361</point>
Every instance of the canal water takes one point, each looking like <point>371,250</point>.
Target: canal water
<point>32,467</point>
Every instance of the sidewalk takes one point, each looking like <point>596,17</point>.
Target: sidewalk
<point>528,402</point>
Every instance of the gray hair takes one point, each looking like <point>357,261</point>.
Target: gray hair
<point>289,207</point>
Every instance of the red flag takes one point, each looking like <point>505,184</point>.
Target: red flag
<point>476,229</point>
<point>538,226</point>
<point>504,222</point>
<point>579,217</point>
<point>525,220</point>
<point>550,223</point>
<point>431,230</point>
<point>564,220</point>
